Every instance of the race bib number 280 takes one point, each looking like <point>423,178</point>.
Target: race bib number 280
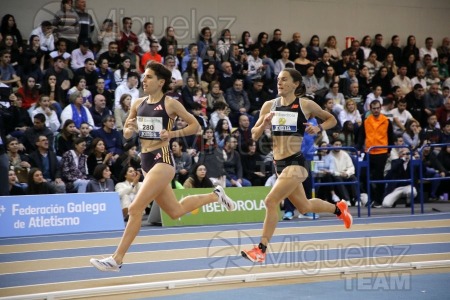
<point>149,127</point>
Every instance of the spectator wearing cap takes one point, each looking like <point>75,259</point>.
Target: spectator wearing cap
<point>80,55</point>
<point>45,34</point>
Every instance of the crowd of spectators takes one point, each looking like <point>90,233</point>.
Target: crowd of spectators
<point>65,98</point>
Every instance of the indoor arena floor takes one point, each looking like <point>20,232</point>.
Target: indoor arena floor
<point>392,252</point>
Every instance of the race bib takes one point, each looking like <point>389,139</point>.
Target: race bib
<point>285,121</point>
<point>149,127</point>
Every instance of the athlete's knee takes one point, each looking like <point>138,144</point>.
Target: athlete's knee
<point>135,209</point>
<point>271,202</point>
<point>175,214</point>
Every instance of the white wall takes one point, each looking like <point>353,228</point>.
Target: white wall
<point>323,17</point>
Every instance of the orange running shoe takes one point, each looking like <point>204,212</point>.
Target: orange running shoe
<point>254,255</point>
<point>345,214</point>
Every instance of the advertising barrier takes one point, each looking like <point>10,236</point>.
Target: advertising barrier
<point>249,202</point>
<point>59,214</point>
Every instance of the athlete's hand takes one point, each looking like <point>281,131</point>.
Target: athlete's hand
<point>131,124</point>
<point>311,129</point>
<point>164,135</point>
<point>268,118</point>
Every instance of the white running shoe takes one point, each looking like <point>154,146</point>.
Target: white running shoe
<point>106,264</point>
<point>224,199</point>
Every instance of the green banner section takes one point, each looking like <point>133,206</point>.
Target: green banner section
<point>249,201</point>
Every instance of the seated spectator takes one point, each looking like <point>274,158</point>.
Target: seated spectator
<point>420,78</point>
<point>129,157</point>
<point>129,88</point>
<point>342,170</point>
<point>200,116</point>
<point>14,187</point>
<point>332,132</point>
<point>214,95</point>
<point>62,84</point>
<point>431,131</point>
<point>411,134</point>
<point>188,93</point>
<point>80,88</point>
<point>400,116</point>
<point>18,163</point>
<point>43,107</point>
<point>110,135</point>
<point>37,185</point>
<point>402,80</point>
<point>222,131</point>
<point>400,169</point>
<point>257,96</point>
<point>121,113</point>
<point>98,155</point>
<point>88,72</point>
<point>280,64</point>
<point>443,113</point>
<point>85,132</point>
<point>101,181</point>
<point>354,94</point>
<point>209,75</point>
<point>226,77</point>
<point>198,178</point>
<point>245,131</point>
<point>99,111</point>
<point>121,74</point>
<point>108,76</point>
<point>233,164</point>
<point>391,65</point>
<point>321,67</point>
<point>432,168</point>
<point>76,111</point>
<point>347,78</point>
<point>192,71</point>
<point>328,78</point>
<point>445,137</point>
<point>151,55</point>
<point>383,80</point>
<point>29,92</point>
<point>21,120</point>
<point>310,80</point>
<point>433,77</point>
<point>253,164</point>
<point>301,62</point>
<point>101,90</point>
<point>256,68</point>
<point>64,140</point>
<point>74,167</point>
<point>443,67</point>
<point>237,100</point>
<point>364,82</point>
<point>338,98</point>
<point>350,113</point>
<point>183,161</point>
<point>128,187</point>
<point>31,134</point>
<point>61,47</point>
<point>444,158</point>
<point>207,142</point>
<point>7,73</point>
<point>112,55</point>
<point>10,45</point>
<point>375,95</point>
<point>347,135</point>
<point>372,64</point>
<point>47,162</point>
<point>415,104</point>
<point>432,99</point>
<point>79,55</point>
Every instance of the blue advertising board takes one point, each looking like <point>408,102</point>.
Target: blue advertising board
<point>59,213</point>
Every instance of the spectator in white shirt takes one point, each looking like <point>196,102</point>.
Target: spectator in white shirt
<point>129,87</point>
<point>45,34</point>
<point>80,54</point>
<point>400,115</point>
<point>420,78</point>
<point>428,49</point>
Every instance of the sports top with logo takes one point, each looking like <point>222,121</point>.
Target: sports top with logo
<point>152,118</point>
<point>288,120</point>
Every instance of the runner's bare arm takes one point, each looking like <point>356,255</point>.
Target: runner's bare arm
<point>312,109</point>
<point>175,108</point>
<point>130,125</point>
<point>265,117</point>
